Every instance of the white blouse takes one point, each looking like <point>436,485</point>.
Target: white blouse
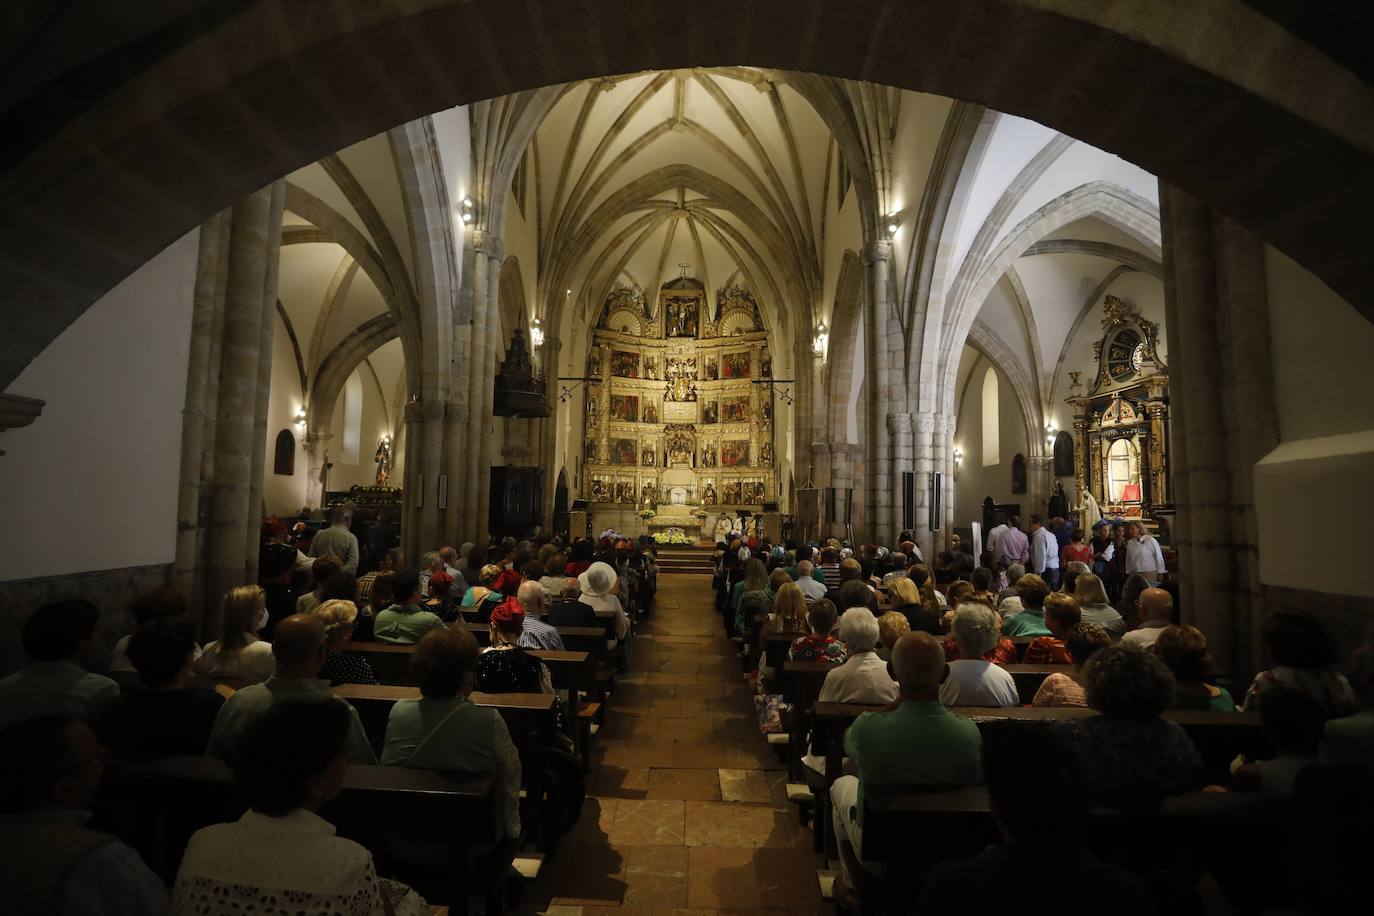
<point>254,662</point>
<point>283,865</point>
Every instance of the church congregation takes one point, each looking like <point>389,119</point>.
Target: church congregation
<point>597,457</point>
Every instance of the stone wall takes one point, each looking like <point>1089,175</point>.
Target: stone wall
<point>111,589</point>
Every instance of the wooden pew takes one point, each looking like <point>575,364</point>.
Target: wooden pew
<point>156,806</point>
<point>909,830</point>
<point>528,717</point>
<point>776,646</point>
<point>391,663</point>
<point>1219,736</point>
<point>1028,678</point>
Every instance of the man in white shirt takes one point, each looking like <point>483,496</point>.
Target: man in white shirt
<point>811,590</point>
<point>1044,552</point>
<point>999,522</point>
<point>1156,609</point>
<point>864,678</point>
<point>338,540</point>
<point>1143,554</point>
<point>536,633</point>
<point>56,638</point>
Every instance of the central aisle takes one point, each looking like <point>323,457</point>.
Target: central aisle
<point>687,810</point>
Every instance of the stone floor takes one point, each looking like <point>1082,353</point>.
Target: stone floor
<point>686,807</point>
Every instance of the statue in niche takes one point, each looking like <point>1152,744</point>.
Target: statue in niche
<point>1059,503</point>
<point>708,495</point>
<point>712,368</point>
<point>680,316</point>
<point>766,366</point>
<point>649,496</point>
<point>708,456</point>
<point>766,454</point>
<point>650,413</point>
<point>593,411</point>
<point>1089,511</point>
<point>650,366</point>
<point>589,450</point>
<point>768,409</point>
<point>594,363</point>
<point>383,461</point>
<point>646,458</point>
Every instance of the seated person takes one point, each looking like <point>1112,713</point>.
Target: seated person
<point>1156,608</point>
<point>443,730</point>
<point>554,578</point>
<point>301,646</point>
<point>505,667</point>
<point>1302,655</point>
<point>1062,688</point>
<point>1061,616</point>
<point>813,589</point>
<point>821,643</point>
<point>50,771</point>
<point>479,599</point>
<point>440,602</point>
<point>1293,723</point>
<point>972,679</point>
<point>919,606</point>
<point>1032,591</point>
<point>405,621</point>
<point>1128,753</point>
<point>569,610</point>
<point>1183,650</point>
<point>1349,741</point>
<point>292,762</point>
<point>239,653</point>
<point>599,585</point>
<point>322,570</point>
<point>852,571</point>
<point>789,609</point>
<point>917,743</point>
<point>1094,607</point>
<point>340,667</point>
<point>1024,765</point>
<point>57,638</point>
<point>892,626</point>
<point>536,633</point>
<point>167,717</point>
<point>146,606</point>
<point>863,677</point>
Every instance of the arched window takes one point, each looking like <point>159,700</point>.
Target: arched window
<point>1063,454</point>
<point>284,454</point>
<point>992,420</point>
<point>353,418</point>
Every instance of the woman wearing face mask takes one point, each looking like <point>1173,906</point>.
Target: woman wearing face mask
<point>239,652</point>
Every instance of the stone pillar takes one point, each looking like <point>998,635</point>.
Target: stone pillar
<point>1039,484</point>
<point>899,431</point>
<point>923,447</point>
<point>1221,397</point>
<point>316,456</point>
<point>253,534</point>
<point>254,237</point>
<point>879,332</point>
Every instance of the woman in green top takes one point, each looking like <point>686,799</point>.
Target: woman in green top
<point>1184,651</point>
<point>481,599</point>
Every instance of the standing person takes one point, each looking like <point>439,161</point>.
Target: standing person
<point>337,540</point>
<point>1143,554</point>
<point>1044,553</point>
<point>50,771</point>
<point>1103,550</point>
<point>57,638</point>
<point>999,525</point>
<point>1118,561</point>
<point>1013,546</point>
<point>239,652</point>
<point>1077,551</point>
<point>916,743</point>
<point>382,537</point>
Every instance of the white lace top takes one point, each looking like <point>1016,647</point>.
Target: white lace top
<point>283,865</point>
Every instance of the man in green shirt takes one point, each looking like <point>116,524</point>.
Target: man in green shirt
<point>405,621</point>
<point>917,743</point>
<point>1032,591</point>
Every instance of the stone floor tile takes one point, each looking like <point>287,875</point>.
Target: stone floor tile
<point>692,728</point>
<point>744,786</point>
<point>684,784</point>
<point>734,824</point>
<point>618,782</point>
<point>722,876</point>
<point>648,823</point>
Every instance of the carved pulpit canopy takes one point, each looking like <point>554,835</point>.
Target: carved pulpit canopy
<point>519,392</point>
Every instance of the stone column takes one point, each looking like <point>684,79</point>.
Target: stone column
<point>1221,397</point>
<point>255,233</point>
<point>899,431</point>
<point>879,332</point>
<point>1039,484</point>
<point>253,534</point>
<point>923,434</point>
<point>316,456</point>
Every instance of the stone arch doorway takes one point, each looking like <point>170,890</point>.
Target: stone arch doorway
<point>1292,169</point>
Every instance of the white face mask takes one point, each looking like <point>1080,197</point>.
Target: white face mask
<point>262,620</point>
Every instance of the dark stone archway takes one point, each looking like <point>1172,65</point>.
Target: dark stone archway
<point>106,163</point>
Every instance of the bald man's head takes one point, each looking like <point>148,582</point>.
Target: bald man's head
<point>918,661</point>
<point>298,643</point>
<point>1156,604</point>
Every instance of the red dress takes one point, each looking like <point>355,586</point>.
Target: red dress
<point>1004,653</point>
<point>1080,552</point>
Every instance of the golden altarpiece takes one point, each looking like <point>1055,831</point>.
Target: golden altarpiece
<point>674,420</point>
<point>1121,425</point>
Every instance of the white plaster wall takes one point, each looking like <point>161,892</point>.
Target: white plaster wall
<point>1013,143</point>
<point>973,481</point>
<point>374,425</point>
<point>284,495</point>
<point>1324,397</point>
<point>104,458</point>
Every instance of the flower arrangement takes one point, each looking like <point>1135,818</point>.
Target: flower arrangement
<point>700,514</point>
<point>672,537</point>
<point>647,514</point>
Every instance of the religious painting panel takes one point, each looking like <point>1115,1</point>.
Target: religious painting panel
<point>650,366</point>
<point>735,410</point>
<point>625,492</point>
<point>650,413</point>
<point>734,453</point>
<point>625,407</point>
<point>1018,473</point>
<point>589,450</point>
<point>680,316</point>
<point>602,490</point>
<point>681,442</point>
<point>624,364</point>
<point>648,456</point>
<point>753,491</point>
<point>623,451</point>
<point>730,492</point>
<point>712,370</point>
<point>708,455</point>
<point>710,412</point>
<point>735,365</point>
<point>709,497</point>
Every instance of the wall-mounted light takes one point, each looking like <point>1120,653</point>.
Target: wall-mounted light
<point>894,223</point>
<point>300,417</point>
<point>958,455</point>
<point>1050,432</point>
<point>537,333</point>
<point>821,339</point>
<point>467,210</point>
